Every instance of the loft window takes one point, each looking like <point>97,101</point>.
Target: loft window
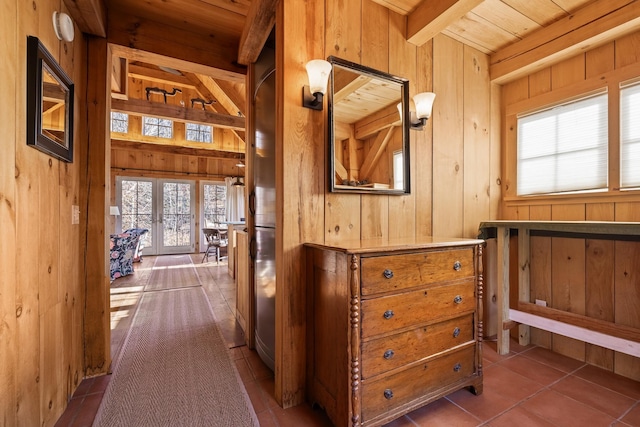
<point>119,122</point>
<point>198,133</point>
<point>154,126</point>
<point>630,135</point>
<point>564,148</point>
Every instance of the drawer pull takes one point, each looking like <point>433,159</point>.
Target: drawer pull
<point>457,299</point>
<point>388,394</point>
<point>456,332</point>
<point>388,354</point>
<point>457,368</point>
<point>457,266</point>
<point>388,314</point>
<point>388,274</point>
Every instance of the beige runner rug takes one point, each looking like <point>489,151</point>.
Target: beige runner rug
<point>172,272</point>
<point>175,369</point>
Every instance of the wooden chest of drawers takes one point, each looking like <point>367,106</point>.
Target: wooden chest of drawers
<point>392,326</point>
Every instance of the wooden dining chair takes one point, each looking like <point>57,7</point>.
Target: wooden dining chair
<point>217,241</point>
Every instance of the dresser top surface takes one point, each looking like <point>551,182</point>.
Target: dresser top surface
<point>400,244</point>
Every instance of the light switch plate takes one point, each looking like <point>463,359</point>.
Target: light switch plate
<point>75,214</point>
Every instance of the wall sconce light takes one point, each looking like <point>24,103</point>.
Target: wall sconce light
<point>63,26</point>
<point>318,71</point>
<point>114,210</point>
<point>424,105</point>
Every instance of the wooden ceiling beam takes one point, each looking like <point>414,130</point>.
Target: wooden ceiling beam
<point>214,90</point>
<point>433,16</point>
<point>595,24</point>
<point>377,121</point>
<point>158,76</point>
<point>210,91</point>
<point>341,171</point>
<point>376,152</point>
<point>89,15</point>
<point>177,113</point>
<point>123,144</point>
<point>258,25</point>
<point>343,89</point>
<point>147,41</point>
<point>236,97</point>
<point>403,8</point>
<point>119,78</point>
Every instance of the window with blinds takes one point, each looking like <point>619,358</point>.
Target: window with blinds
<point>630,135</point>
<point>564,148</point>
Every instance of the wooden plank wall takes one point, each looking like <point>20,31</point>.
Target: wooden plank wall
<point>162,164</point>
<point>41,296</point>
<point>589,277</point>
<point>8,238</point>
<point>454,166</point>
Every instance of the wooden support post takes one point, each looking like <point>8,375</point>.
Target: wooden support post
<point>502,240</point>
<point>96,194</point>
<point>524,284</point>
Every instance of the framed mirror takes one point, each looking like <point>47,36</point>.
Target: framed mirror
<point>368,136</point>
<point>49,103</point>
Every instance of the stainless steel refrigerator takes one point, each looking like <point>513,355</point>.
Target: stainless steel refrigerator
<point>264,206</point>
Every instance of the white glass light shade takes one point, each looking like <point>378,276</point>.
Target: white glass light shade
<point>318,71</point>
<point>400,110</point>
<point>114,210</point>
<point>424,104</point>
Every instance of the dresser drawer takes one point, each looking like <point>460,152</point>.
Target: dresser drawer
<point>383,354</point>
<point>397,272</point>
<point>389,313</point>
<point>384,394</point>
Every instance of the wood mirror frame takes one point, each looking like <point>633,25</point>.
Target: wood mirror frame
<point>49,103</point>
<point>368,137</point>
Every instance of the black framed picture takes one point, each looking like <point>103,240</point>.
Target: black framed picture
<point>49,103</point>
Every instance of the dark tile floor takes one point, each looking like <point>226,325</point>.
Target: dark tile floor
<point>530,386</point>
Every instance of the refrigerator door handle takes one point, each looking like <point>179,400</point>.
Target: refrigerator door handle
<point>252,203</point>
<point>253,248</point>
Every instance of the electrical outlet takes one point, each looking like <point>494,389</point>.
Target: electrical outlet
<point>541,302</point>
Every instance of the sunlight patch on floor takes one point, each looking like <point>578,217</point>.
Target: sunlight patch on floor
<point>174,267</point>
<point>117,316</point>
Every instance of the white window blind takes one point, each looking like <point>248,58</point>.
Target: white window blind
<point>630,136</point>
<point>564,148</point>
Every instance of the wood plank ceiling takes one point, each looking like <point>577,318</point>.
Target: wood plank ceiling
<point>520,36</point>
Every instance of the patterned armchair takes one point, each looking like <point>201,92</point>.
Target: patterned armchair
<point>124,249</point>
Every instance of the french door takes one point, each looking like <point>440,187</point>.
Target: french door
<point>165,207</point>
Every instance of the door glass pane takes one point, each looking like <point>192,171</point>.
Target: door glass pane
<point>176,214</point>
<point>137,207</point>
<point>214,204</point>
